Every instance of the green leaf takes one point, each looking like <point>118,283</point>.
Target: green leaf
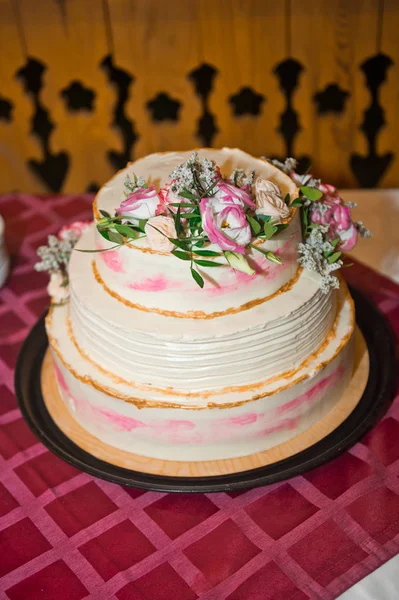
<point>207,263</point>
<point>199,244</point>
<point>207,253</point>
<point>287,199</point>
<point>185,245</point>
<point>188,195</point>
<point>191,216</point>
<point>126,231</point>
<point>273,258</point>
<point>334,257</point>
<point>311,193</point>
<point>335,242</point>
<point>141,224</point>
<point>238,262</point>
<point>103,233</point>
<point>282,226</point>
<point>255,226</point>
<point>209,189</point>
<point>94,251</point>
<point>305,217</point>
<point>265,218</point>
<point>269,255</point>
<point>197,277</point>
<point>181,255</point>
<point>178,225</point>
<point>269,229</point>
<point>104,213</point>
<point>297,202</point>
<point>183,205</point>
<point>115,237</point>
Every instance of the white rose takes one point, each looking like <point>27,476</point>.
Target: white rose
<point>158,230</point>
<point>58,292</point>
<point>269,201</point>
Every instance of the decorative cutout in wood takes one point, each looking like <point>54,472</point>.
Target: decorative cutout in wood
<point>203,78</point>
<point>78,97</point>
<point>369,169</point>
<point>92,188</point>
<point>6,108</point>
<point>287,73</point>
<point>331,100</point>
<point>121,80</point>
<point>164,108</point>
<point>53,168</point>
<point>246,102</point>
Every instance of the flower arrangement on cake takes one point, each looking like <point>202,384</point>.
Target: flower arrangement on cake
<point>201,215</point>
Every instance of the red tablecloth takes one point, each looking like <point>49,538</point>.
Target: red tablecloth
<point>65,535</point>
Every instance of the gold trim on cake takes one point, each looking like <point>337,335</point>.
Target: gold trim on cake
<point>141,403</point>
<point>195,314</point>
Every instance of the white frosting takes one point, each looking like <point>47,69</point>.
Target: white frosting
<point>137,276</point>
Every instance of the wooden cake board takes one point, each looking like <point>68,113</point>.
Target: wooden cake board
<point>63,419</point>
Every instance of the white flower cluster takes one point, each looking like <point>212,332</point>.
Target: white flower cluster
<point>312,256</point>
<point>240,178</point>
<point>287,166</point>
<point>193,174</point>
<point>132,184</point>
<point>363,231</point>
<point>55,256</point>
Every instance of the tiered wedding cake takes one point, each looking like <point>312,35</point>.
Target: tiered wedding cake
<point>192,330</point>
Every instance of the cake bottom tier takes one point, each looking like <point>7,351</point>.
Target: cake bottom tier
<point>178,427</point>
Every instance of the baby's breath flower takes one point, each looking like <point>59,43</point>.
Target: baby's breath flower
<point>132,185</point>
<point>194,175</point>
<point>363,231</point>
<point>287,166</point>
<point>313,255</point>
<point>240,178</point>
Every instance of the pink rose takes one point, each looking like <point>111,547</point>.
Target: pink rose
<point>77,228</point>
<point>227,193</point>
<point>225,224</point>
<point>140,204</point>
<point>168,197</point>
<point>348,238</point>
<point>333,213</point>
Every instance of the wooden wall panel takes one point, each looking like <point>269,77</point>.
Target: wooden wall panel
<point>158,43</point>
<point>105,81</point>
<point>71,44</point>
<point>390,91</point>
<point>16,143</point>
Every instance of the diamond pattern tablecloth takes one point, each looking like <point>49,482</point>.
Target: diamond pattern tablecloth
<point>65,535</point>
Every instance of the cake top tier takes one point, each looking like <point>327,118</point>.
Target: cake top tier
<point>216,221</point>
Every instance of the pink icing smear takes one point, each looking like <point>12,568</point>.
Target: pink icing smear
<point>113,261</point>
<point>154,284</point>
<point>308,396</point>
<point>60,378</point>
<point>240,420</point>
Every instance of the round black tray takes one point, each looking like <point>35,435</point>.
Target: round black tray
<point>374,402</point>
